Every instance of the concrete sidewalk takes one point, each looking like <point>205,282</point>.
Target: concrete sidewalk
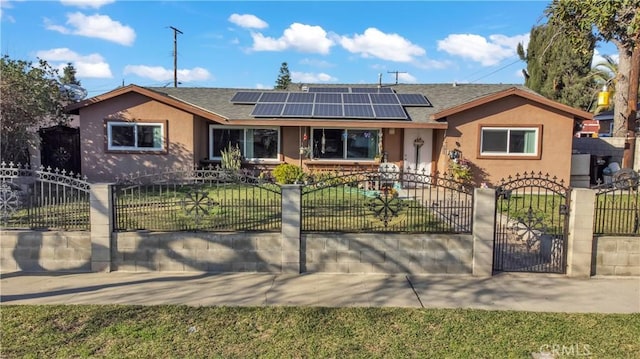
<point>529,292</point>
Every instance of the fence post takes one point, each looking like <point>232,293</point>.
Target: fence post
<point>580,232</point>
<point>101,217</point>
<point>291,223</point>
<point>484,207</point>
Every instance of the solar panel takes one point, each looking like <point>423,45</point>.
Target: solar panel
<point>413,99</point>
<point>371,90</point>
<point>358,111</point>
<point>389,111</point>
<point>356,98</point>
<point>329,89</point>
<point>274,97</point>
<point>246,97</point>
<point>301,97</point>
<point>267,110</point>
<point>328,98</point>
<point>327,110</point>
<point>384,98</point>
<point>298,109</point>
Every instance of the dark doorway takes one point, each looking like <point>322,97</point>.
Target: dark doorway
<point>60,148</point>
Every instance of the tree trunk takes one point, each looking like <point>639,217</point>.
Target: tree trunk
<point>621,94</point>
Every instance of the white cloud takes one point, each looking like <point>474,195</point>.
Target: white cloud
<point>316,63</point>
<point>95,26</point>
<point>487,52</point>
<point>92,65</point>
<point>375,43</point>
<point>94,4</point>
<point>406,78</point>
<point>159,73</point>
<point>248,21</point>
<point>597,58</point>
<point>299,37</point>
<point>311,77</point>
<point>263,86</point>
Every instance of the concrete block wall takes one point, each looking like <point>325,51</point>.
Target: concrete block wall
<point>617,256</point>
<point>387,253</point>
<point>196,252</point>
<point>40,251</point>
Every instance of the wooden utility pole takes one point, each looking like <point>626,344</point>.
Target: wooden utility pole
<point>175,55</point>
<point>628,157</point>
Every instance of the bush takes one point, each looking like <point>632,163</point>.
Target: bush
<point>286,173</point>
<point>231,158</point>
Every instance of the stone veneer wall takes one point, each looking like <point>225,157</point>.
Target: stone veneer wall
<point>40,251</point>
<point>387,253</point>
<point>201,252</point>
<point>618,256</point>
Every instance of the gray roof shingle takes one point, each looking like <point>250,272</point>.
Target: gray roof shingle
<point>441,96</point>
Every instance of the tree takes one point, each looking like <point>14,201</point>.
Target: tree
<point>557,70</point>
<point>284,78</point>
<point>618,22</point>
<point>69,75</point>
<point>31,99</point>
<point>604,75</point>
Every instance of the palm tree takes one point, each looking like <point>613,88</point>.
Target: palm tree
<point>604,74</point>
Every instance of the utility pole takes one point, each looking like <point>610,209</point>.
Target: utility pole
<point>175,55</point>
<point>628,158</point>
<point>396,72</point>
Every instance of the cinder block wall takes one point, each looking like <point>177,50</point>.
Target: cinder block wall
<point>200,252</point>
<point>619,256</point>
<point>387,253</point>
<point>41,251</point>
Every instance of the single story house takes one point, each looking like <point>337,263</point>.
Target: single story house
<point>497,130</point>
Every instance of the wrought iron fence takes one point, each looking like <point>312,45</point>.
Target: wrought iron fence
<point>617,207</point>
<point>386,200</point>
<point>210,199</point>
<point>43,199</point>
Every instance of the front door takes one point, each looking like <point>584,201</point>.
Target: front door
<point>418,149</point>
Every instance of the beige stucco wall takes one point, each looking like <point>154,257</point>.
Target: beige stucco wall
<point>99,165</point>
<point>463,134</point>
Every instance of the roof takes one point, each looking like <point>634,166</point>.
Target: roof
<point>608,115</point>
<point>446,99</point>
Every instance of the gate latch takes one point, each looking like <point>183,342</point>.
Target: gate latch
<point>564,209</point>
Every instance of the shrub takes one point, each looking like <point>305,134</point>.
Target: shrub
<point>287,173</point>
<point>231,158</point>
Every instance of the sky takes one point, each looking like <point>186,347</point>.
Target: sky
<point>242,44</point>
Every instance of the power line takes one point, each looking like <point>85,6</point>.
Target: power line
<point>493,72</point>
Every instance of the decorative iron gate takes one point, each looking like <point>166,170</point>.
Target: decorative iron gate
<point>531,224</point>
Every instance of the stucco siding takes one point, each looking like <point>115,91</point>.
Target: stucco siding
<point>556,139</point>
<point>101,165</point>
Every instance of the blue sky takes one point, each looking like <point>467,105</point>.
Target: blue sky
<point>241,44</point>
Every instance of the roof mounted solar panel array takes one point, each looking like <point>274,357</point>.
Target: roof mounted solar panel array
<point>248,97</point>
<point>413,99</point>
<point>332,102</point>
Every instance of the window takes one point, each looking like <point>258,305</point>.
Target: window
<point>140,136</point>
<point>336,143</point>
<point>517,141</point>
<point>254,143</point>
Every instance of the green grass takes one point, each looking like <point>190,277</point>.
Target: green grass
<point>81,331</point>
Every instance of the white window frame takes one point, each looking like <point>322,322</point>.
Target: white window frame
<point>344,145</point>
<point>244,134</point>
<point>135,125</point>
<point>506,153</point>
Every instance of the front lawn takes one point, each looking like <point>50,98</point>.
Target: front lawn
<point>309,332</point>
